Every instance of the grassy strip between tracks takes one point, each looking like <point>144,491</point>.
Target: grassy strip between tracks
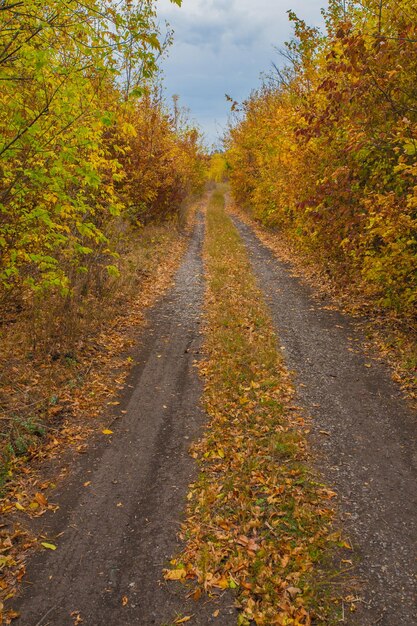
<point>257,521</point>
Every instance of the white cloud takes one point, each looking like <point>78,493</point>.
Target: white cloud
<point>222,46</point>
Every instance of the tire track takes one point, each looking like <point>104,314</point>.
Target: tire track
<point>115,536</point>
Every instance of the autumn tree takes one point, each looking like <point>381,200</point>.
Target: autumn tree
<point>76,78</point>
<point>326,149</point>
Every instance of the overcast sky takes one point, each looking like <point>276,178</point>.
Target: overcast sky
<point>222,46</point>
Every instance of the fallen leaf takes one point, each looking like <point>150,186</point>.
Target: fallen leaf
<point>253,546</point>
<point>197,594</point>
<point>125,600</point>
<point>222,583</point>
<point>246,585</point>
<point>55,410</point>
<point>48,546</point>
<point>285,560</point>
<point>12,614</point>
<point>76,617</point>
<point>183,620</point>
<point>175,574</point>
<point>107,431</point>
<point>40,498</point>
<point>293,592</point>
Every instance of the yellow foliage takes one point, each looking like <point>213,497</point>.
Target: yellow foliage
<point>327,150</point>
<point>84,147</point>
<point>218,168</point>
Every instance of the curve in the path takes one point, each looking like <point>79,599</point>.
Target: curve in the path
<point>119,532</point>
<point>364,434</point>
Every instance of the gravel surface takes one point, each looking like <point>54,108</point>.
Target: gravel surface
<point>115,535</point>
<point>363,434</point>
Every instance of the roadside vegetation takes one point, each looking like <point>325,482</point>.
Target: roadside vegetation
<point>325,153</point>
<point>93,163</point>
<point>258,521</point>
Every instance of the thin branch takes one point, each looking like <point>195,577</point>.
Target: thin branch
<point>7,7</point>
<point>35,119</point>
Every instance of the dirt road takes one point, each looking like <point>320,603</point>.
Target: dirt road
<point>121,508</point>
<point>115,535</point>
<point>363,434</point>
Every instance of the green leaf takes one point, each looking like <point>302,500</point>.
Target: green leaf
<point>112,270</point>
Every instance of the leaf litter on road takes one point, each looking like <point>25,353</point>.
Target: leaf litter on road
<point>258,521</point>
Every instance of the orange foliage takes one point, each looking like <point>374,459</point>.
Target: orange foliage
<point>161,159</point>
<point>326,150</point>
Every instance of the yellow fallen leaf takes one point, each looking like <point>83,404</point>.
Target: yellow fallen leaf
<point>175,574</point>
<point>222,583</point>
<point>19,506</point>
<point>107,431</point>
<point>48,546</point>
<point>77,618</point>
<point>183,620</point>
